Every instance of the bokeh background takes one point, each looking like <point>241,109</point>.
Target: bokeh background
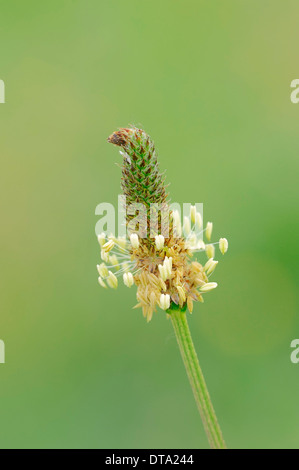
<point>210,81</point>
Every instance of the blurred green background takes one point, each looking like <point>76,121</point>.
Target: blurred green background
<point>210,81</point>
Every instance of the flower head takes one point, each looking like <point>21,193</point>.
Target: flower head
<point>164,267</point>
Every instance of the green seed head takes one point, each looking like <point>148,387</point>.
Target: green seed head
<point>141,179</point>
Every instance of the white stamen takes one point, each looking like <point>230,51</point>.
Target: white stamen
<point>108,246</point>
<point>101,282</point>
<point>223,245</point>
<point>159,240</point>
<point>192,239</point>
<point>200,245</point>
<point>208,286</point>
<point>101,238</point>
<point>182,293</point>
<point>165,301</point>
<point>198,220</point>
<point>134,241</point>
<point>126,266</point>
<point>210,266</point>
<point>122,242</point>
<point>168,266</point>
<point>112,280</point>
<point>193,214</point>
<point>128,279</point>
<point>209,229</point>
<point>186,226</point>
<point>210,251</point>
<point>114,261</point>
<point>105,256</point>
<point>102,270</point>
<point>177,224</point>
<point>162,271</point>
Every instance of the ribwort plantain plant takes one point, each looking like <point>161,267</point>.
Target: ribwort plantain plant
<point>162,264</point>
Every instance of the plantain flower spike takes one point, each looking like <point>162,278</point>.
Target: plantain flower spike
<point>164,267</point>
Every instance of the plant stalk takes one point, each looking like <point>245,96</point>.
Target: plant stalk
<point>196,379</point>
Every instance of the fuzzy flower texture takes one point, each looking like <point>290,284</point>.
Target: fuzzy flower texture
<point>165,270</point>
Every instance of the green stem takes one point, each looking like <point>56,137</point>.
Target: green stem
<point>196,379</point>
